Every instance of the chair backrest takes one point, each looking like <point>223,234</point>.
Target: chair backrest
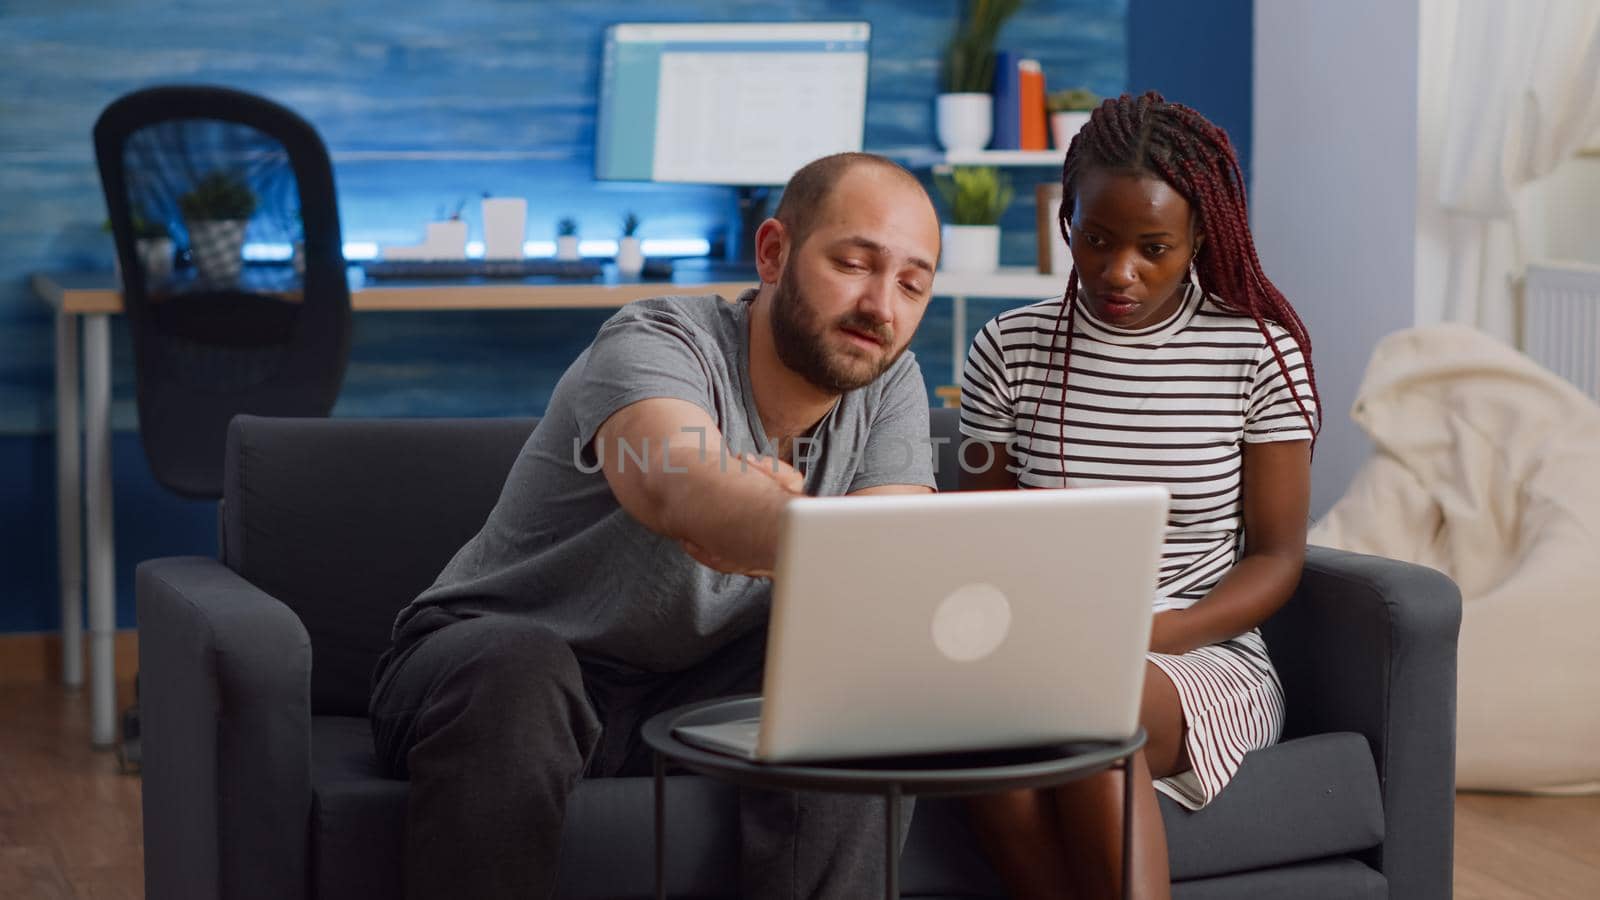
<point>346,520</point>
<point>212,168</point>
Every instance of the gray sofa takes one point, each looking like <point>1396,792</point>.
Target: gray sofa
<point>260,780</point>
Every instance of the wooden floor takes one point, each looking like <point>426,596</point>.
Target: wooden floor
<point>69,822</point>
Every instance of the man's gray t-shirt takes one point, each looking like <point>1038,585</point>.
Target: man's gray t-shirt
<point>559,549</point>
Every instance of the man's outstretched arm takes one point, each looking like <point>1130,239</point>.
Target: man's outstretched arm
<point>670,468</point>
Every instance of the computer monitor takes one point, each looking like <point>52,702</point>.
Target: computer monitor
<point>742,104</point>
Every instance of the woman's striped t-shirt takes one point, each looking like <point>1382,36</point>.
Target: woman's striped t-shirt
<point>1171,404</point>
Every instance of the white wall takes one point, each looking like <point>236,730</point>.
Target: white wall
<point>1334,204</point>
<point>1436,54</point>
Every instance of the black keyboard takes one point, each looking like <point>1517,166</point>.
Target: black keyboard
<point>482,268</point>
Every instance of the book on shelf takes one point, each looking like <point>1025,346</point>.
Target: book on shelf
<point>1033,131</point>
<point>1007,104</point>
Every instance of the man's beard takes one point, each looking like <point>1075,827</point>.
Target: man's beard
<point>805,345</point>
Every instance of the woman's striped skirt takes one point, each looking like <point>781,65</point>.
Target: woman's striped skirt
<point>1232,704</point>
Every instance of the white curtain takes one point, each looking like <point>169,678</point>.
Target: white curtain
<point>1523,96</point>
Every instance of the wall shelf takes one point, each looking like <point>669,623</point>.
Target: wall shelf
<point>1010,282</point>
<point>940,161</point>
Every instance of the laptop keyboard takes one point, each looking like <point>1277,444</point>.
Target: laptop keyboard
<point>482,268</point>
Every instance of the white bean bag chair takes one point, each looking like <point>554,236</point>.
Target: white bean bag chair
<point>1488,468</point>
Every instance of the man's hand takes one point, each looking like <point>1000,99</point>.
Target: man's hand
<point>784,476</point>
<point>711,561</point>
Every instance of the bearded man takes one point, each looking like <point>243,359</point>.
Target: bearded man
<point>622,571</point>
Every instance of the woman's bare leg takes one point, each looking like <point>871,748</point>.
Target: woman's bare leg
<point>1090,810</point>
<point>1019,834</point>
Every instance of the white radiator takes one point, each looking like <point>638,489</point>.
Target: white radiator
<point>1561,321</point>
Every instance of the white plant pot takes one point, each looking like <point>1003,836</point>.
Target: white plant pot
<point>567,247</point>
<point>155,255</point>
<point>217,248</point>
<point>505,219</point>
<point>630,257</point>
<point>1064,126</point>
<point>965,122</point>
<point>970,248</point>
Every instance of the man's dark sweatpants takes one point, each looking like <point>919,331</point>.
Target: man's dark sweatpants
<point>494,719</point>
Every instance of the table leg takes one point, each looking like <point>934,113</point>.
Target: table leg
<point>661,826</point>
<point>891,832</point>
<point>97,513</point>
<point>1127,825</point>
<point>69,499</point>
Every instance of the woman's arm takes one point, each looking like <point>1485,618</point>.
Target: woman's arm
<point>1277,497</point>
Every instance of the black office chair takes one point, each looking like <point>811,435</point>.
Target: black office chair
<point>207,169</point>
<point>216,335</point>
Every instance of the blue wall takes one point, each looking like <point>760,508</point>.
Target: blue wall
<point>1200,55</point>
<point>422,105</point>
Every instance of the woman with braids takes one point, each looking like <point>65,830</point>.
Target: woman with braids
<point>1170,359</point>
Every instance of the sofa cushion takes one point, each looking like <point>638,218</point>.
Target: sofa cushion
<point>1328,879</point>
<point>1303,799</point>
<point>1307,799</point>
<point>358,817</point>
<point>347,521</point>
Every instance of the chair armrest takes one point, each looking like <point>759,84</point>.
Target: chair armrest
<point>1368,645</point>
<point>225,709</point>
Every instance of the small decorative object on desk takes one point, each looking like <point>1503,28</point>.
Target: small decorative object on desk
<point>445,239</point>
<point>216,211</point>
<point>630,255</point>
<point>965,108</point>
<point>505,219</point>
<point>1069,112</point>
<point>1054,256</point>
<point>567,238</point>
<point>977,196</point>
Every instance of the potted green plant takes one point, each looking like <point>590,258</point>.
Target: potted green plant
<point>630,254</point>
<point>965,107</point>
<point>1069,112</point>
<point>977,196</point>
<point>152,244</point>
<point>567,238</point>
<point>216,211</point>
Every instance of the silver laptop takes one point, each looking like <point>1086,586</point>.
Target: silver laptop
<point>954,622</point>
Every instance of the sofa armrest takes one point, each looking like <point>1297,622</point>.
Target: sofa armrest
<point>225,688</point>
<point>1368,645</point>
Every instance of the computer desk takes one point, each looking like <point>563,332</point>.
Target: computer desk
<point>83,483</point>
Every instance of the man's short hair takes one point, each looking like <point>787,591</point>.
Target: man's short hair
<point>809,188</point>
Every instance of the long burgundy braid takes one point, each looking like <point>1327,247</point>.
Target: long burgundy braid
<point>1148,135</point>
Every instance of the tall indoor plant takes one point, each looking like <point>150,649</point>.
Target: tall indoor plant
<point>965,107</point>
